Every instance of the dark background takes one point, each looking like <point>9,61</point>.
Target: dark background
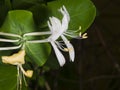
<point>96,66</point>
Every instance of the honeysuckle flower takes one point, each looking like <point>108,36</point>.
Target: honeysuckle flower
<point>58,29</point>
<point>18,59</point>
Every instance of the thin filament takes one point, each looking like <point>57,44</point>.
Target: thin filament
<point>25,80</point>
<point>70,35</point>
<point>60,46</point>
<point>18,78</point>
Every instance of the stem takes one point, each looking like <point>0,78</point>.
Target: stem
<point>10,48</point>
<point>37,33</point>
<point>25,80</point>
<point>9,34</point>
<point>8,40</point>
<point>23,71</point>
<point>38,41</point>
<point>47,86</point>
<point>18,78</point>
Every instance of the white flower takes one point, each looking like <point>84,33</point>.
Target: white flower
<point>58,29</point>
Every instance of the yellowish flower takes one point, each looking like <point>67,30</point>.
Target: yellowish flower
<point>15,59</point>
<point>18,59</point>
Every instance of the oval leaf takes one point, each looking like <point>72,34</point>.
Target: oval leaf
<point>18,22</point>
<point>38,52</point>
<point>8,77</point>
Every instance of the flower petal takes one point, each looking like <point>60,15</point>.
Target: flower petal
<point>64,11</point>
<point>55,24</point>
<point>66,18</point>
<point>15,59</point>
<point>70,48</point>
<point>59,55</point>
<point>56,28</point>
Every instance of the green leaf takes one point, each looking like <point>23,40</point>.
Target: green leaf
<point>8,77</point>
<point>41,14</point>
<point>18,22</point>
<point>24,4</point>
<point>21,22</point>
<point>38,52</point>
<point>3,10</point>
<point>82,12</point>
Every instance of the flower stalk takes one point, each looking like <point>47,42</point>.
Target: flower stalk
<point>18,59</point>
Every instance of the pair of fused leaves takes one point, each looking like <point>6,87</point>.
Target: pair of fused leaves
<point>20,22</point>
<point>82,13</point>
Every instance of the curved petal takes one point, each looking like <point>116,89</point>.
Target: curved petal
<point>56,28</point>
<point>64,11</point>
<point>15,59</point>
<point>66,18</point>
<point>59,55</point>
<point>55,24</point>
<point>70,48</point>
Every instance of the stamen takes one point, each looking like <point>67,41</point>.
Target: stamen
<point>66,49</point>
<point>84,35</point>
<point>60,45</point>
<point>80,34</point>
<point>72,36</point>
<point>74,31</point>
<point>80,28</point>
